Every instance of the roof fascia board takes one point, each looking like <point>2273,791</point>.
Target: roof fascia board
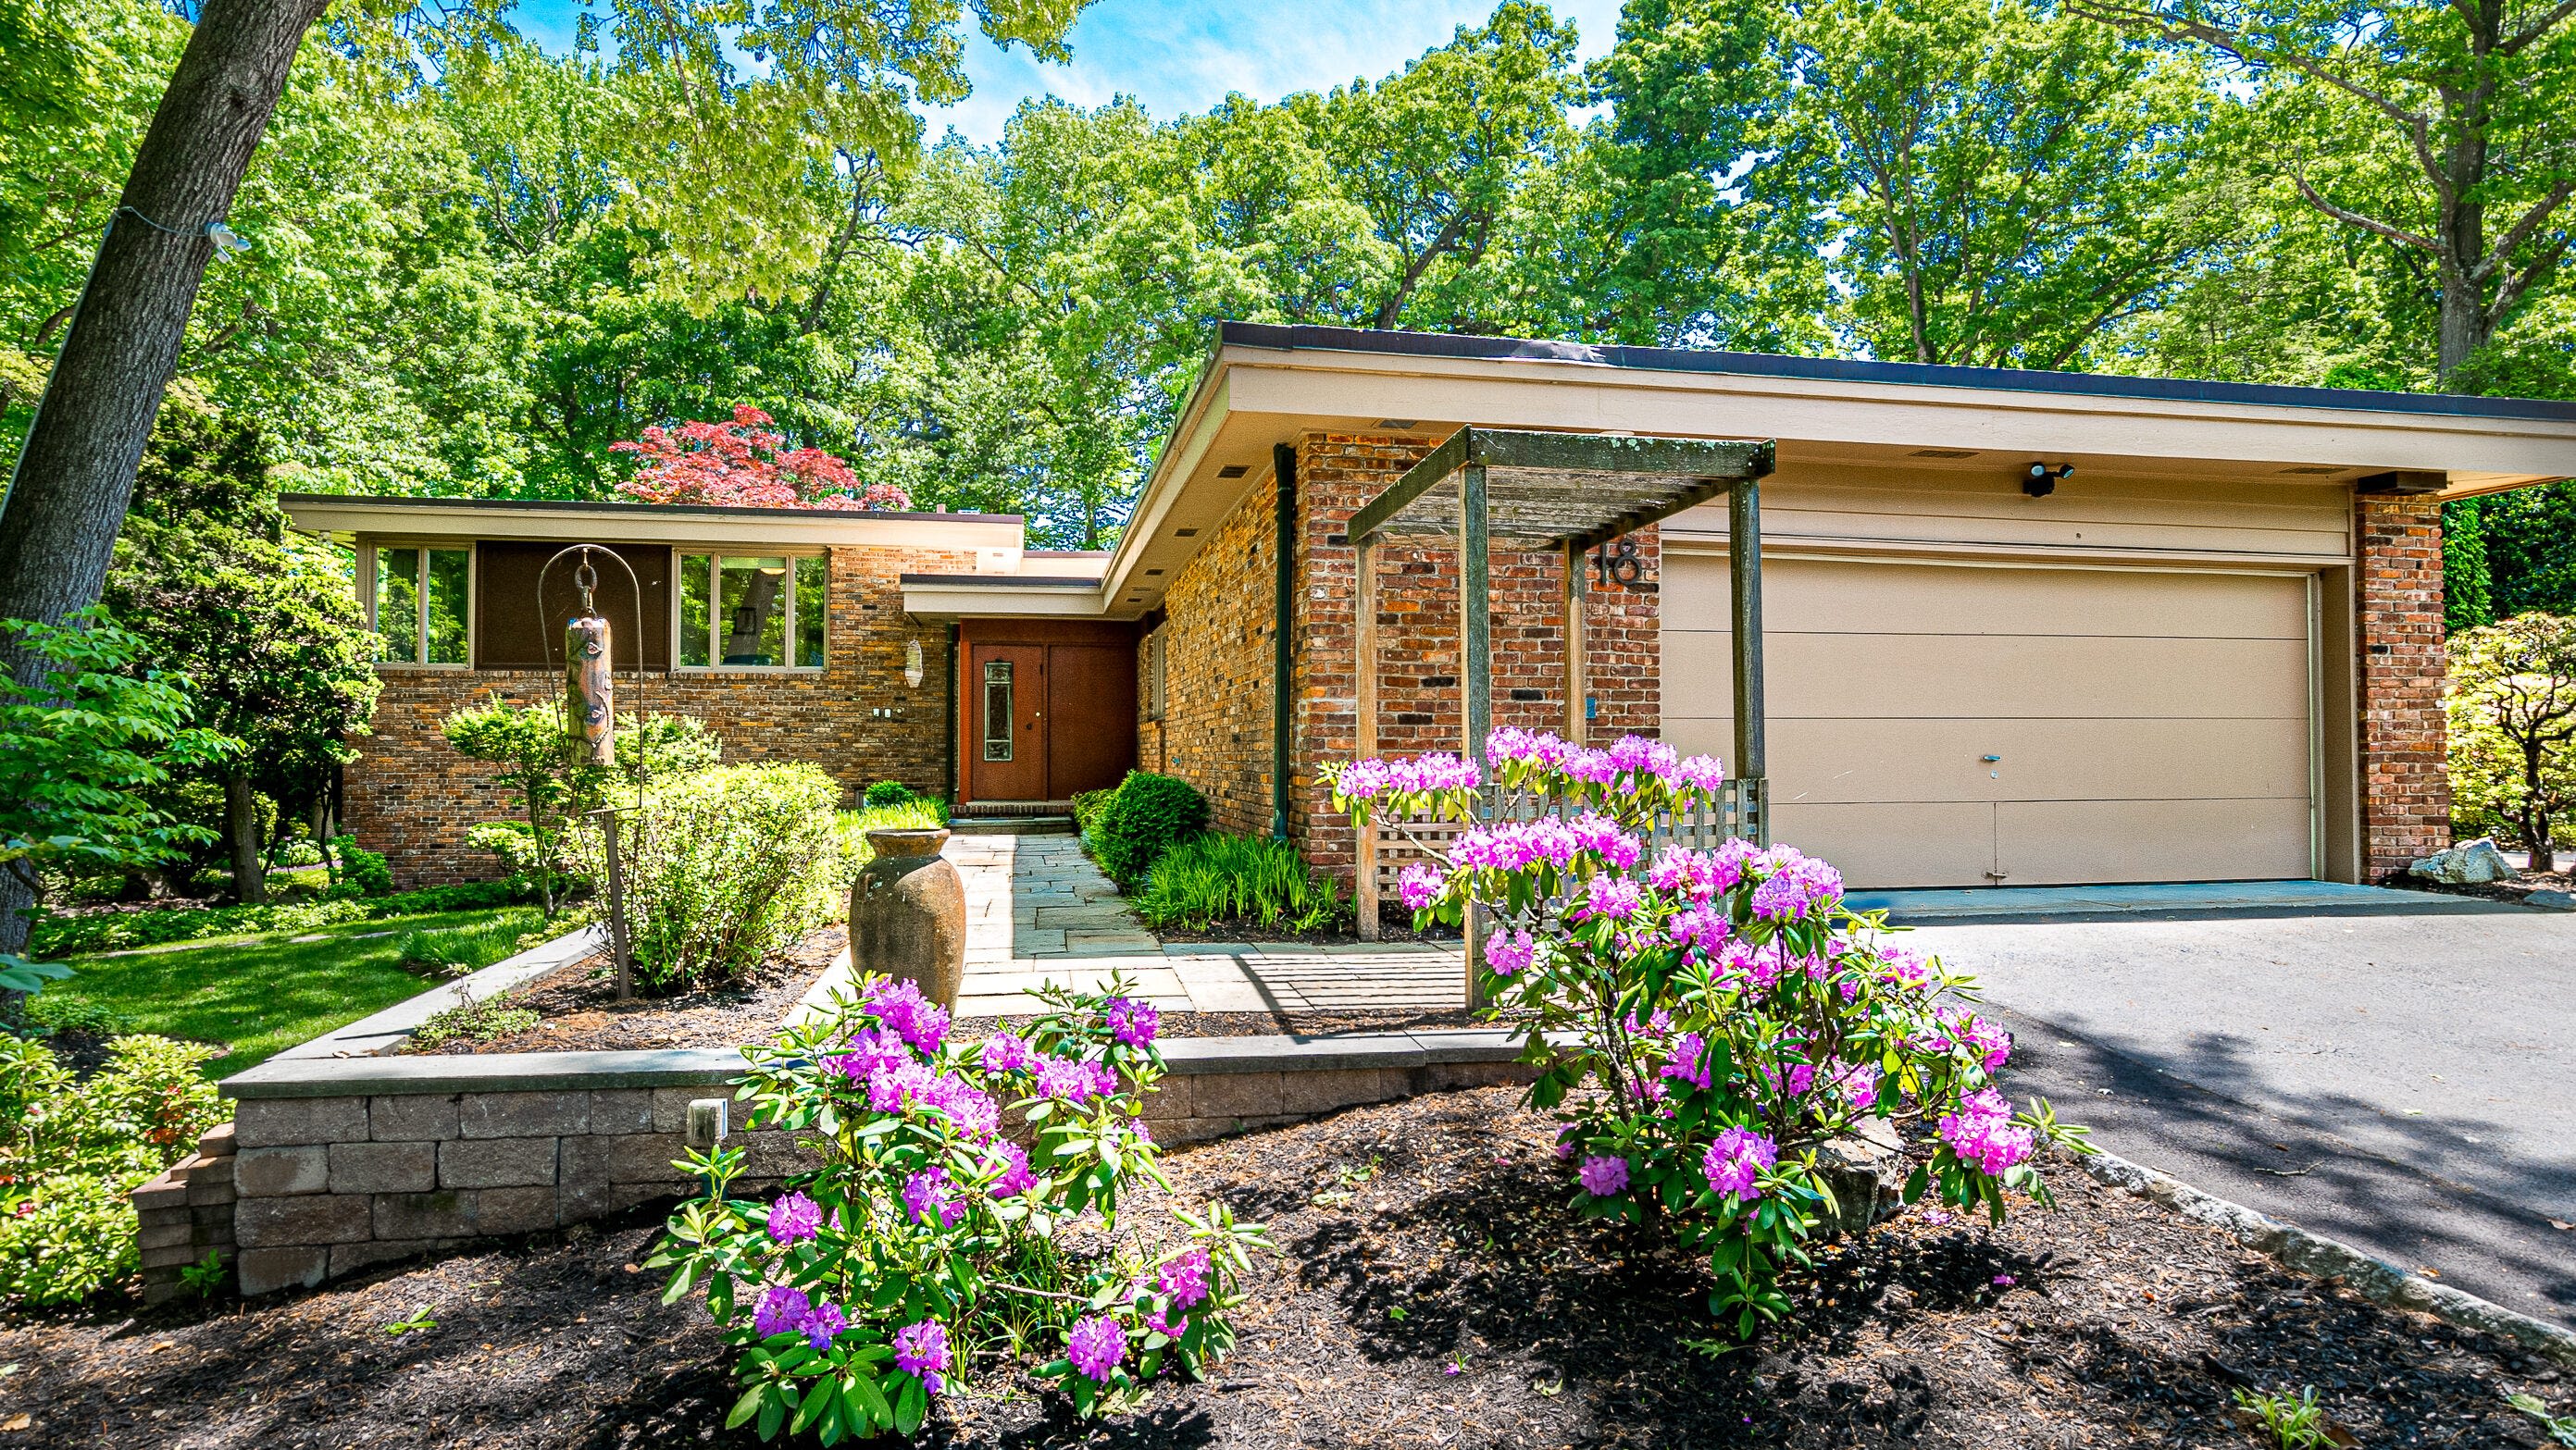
<point>646,524</point>
<point>1202,417</point>
<point>982,601</point>
<point>1593,397</point>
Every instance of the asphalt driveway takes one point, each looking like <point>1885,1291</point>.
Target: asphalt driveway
<point>2404,1082</point>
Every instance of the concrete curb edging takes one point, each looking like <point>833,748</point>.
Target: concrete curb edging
<point>2297,1249</point>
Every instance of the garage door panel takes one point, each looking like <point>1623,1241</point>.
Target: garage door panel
<point>2171,744</point>
<point>1912,677</point>
<point>2077,842</point>
<point>1930,760</point>
<point>1894,845</point>
<point>1836,597</point>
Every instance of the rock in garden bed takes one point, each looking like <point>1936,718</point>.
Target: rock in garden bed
<point>1431,1290</point>
<point>578,1009</point>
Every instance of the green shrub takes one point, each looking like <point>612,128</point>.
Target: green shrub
<point>474,1019</point>
<point>1150,814</point>
<point>362,868</point>
<point>1247,880</point>
<point>1087,806</point>
<point>727,866</point>
<point>291,854</point>
<point>55,1013</point>
<point>889,793</point>
<point>73,1151</point>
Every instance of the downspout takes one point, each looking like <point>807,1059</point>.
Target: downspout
<point>1283,467</point>
<point>948,716</point>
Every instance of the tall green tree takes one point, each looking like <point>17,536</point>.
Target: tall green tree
<point>266,626</point>
<point>2444,127</point>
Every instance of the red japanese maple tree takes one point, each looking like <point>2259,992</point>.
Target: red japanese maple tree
<point>746,465</point>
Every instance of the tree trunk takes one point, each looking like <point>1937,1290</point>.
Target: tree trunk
<point>76,473</point>
<point>17,896</point>
<point>2462,329</point>
<point>241,828</point>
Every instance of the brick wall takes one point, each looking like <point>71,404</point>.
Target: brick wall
<point>411,796</point>
<point>2397,613</point>
<point>1421,705</point>
<point>1215,732</point>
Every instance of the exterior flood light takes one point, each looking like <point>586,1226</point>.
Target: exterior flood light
<point>2042,480</point>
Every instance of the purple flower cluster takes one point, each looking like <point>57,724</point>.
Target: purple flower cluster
<point>787,1311</point>
<point>1418,885</point>
<point>1517,845</point>
<point>1508,952</point>
<point>1797,885</point>
<point>1613,897</point>
<point>1735,1161</point>
<point>915,1085</point>
<point>921,1350</point>
<point>1857,1081</point>
<point>1640,756</point>
<point>868,1052</point>
<point>1904,967</point>
<point>1603,1175</point>
<point>1096,1345</point>
<point>1363,780</point>
<point>1982,1133</point>
<point>926,1197</point>
<point>1989,1044</point>
<point>1183,1277</point>
<point>1131,1022</point>
<point>909,1015</point>
<point>795,1218</point>
<point>1601,836</point>
<point>1530,747</point>
<point>1075,1083</point>
<point>1689,1061</point>
<point>1016,1178</point>
<point>1007,1052</point>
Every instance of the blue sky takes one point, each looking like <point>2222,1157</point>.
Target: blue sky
<point>1186,55</point>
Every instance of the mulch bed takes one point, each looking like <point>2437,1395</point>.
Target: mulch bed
<point>581,1013</point>
<point>1431,1291</point>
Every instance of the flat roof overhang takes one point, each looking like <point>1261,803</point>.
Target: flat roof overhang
<point>1000,596</point>
<point>1266,385</point>
<point>347,517</point>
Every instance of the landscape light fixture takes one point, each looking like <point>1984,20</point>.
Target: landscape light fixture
<point>2042,480</point>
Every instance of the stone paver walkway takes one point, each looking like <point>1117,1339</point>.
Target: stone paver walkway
<point>1038,911</point>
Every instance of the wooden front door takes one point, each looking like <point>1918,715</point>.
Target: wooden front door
<point>1091,717</point>
<point>1007,721</point>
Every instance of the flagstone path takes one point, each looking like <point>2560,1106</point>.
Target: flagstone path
<point>1038,911</point>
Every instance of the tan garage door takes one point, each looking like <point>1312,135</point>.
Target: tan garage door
<point>2149,726</point>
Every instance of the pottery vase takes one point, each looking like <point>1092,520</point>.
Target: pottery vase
<point>908,914</point>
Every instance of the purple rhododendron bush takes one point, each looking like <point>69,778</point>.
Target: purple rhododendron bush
<point>1707,1023</point>
<point>929,1237</point>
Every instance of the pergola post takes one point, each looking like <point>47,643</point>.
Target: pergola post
<point>1366,744</point>
<point>1744,582</point>
<point>1476,656</point>
<point>1577,686</point>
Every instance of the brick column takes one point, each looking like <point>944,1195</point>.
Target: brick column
<point>1420,704</point>
<point>2397,615</point>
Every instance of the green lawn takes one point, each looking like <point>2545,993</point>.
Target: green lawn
<point>260,995</point>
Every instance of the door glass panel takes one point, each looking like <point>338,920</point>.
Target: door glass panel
<point>398,603</point>
<point>450,570</point>
<point>696,577</point>
<point>752,611</point>
<point>997,710</point>
<point>812,589</point>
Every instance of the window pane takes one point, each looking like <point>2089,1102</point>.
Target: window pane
<point>997,710</point>
<point>398,603</point>
<point>449,572</point>
<point>754,608</point>
<point>695,572</point>
<point>812,588</point>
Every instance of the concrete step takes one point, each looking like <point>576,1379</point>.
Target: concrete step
<point>1011,826</point>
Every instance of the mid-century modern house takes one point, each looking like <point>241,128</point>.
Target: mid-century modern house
<point>2013,627</point>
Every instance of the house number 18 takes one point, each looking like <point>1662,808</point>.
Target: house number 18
<point>1619,565</point>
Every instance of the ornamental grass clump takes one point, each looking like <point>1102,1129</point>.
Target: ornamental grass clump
<point>930,1244</point>
<point>1730,1018</point>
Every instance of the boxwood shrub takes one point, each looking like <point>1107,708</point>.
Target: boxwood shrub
<point>1150,814</point>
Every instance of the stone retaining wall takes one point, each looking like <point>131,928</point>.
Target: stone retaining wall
<point>338,1160</point>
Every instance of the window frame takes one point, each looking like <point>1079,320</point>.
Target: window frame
<point>718,553</point>
<point>373,570</point>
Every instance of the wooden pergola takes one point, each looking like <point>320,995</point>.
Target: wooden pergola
<point>1566,493</point>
